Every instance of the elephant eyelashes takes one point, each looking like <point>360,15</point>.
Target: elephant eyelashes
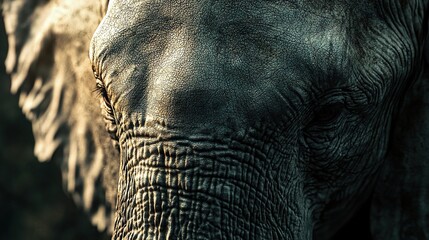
<point>107,109</point>
<point>100,91</point>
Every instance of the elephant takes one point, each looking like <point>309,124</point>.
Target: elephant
<point>230,119</point>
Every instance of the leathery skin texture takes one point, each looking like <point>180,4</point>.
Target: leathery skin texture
<point>212,184</point>
<point>248,119</point>
<point>206,187</point>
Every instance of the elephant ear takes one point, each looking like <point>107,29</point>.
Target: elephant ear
<point>400,205</point>
<point>50,71</point>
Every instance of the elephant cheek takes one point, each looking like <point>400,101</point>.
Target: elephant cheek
<point>173,193</point>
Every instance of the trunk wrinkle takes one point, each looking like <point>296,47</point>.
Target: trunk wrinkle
<point>174,188</point>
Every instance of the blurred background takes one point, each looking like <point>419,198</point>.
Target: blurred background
<point>33,204</point>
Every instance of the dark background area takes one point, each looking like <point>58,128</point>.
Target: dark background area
<point>33,204</point>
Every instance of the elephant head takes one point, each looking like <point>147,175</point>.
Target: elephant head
<point>230,119</point>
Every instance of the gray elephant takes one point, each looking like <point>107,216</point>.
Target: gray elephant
<point>230,119</point>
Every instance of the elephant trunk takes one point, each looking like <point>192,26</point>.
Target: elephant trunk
<point>199,189</point>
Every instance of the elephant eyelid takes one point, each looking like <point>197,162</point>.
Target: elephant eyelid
<point>329,112</point>
<point>100,91</point>
<point>100,88</point>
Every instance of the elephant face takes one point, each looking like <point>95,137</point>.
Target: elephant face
<point>247,120</point>
<point>233,120</point>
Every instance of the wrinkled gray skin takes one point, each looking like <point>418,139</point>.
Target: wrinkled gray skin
<point>265,119</point>
<point>249,119</point>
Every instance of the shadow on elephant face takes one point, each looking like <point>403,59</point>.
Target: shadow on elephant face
<point>230,120</point>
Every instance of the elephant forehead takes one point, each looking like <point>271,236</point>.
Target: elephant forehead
<point>287,25</point>
<point>246,50</point>
<point>249,35</point>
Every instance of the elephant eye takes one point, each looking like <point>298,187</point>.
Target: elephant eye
<point>100,91</point>
<point>328,113</point>
<point>109,116</point>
